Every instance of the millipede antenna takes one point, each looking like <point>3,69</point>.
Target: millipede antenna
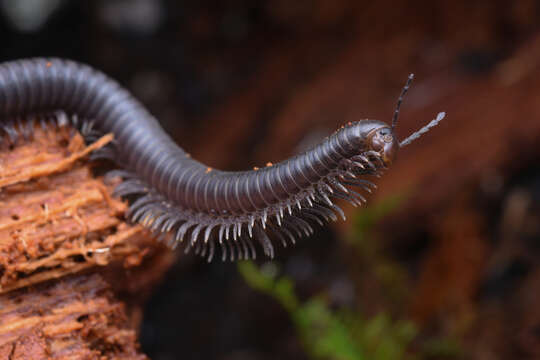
<point>400,100</point>
<point>423,130</point>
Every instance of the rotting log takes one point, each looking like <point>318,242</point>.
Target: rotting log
<point>73,318</point>
<point>56,217</point>
<point>59,222</point>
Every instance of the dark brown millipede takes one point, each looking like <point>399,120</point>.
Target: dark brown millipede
<point>182,199</point>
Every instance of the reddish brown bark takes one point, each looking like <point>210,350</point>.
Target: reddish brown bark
<point>74,318</point>
<point>58,219</point>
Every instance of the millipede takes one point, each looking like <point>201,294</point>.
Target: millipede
<point>181,200</point>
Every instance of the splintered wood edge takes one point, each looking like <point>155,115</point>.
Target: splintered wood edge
<point>23,175</point>
<point>56,218</point>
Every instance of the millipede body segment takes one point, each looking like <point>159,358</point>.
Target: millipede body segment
<point>178,197</point>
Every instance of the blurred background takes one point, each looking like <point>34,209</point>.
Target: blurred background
<point>442,264</point>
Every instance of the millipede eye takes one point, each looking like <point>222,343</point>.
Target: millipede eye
<point>386,135</point>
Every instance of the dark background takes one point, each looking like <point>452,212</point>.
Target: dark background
<point>241,83</point>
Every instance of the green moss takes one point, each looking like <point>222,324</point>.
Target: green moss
<point>345,334</point>
<point>328,334</point>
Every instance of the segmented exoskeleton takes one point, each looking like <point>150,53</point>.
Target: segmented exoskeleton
<point>181,198</point>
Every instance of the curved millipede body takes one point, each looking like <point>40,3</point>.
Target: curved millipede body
<point>185,200</point>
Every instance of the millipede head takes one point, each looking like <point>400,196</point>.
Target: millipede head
<point>383,141</point>
<point>378,138</point>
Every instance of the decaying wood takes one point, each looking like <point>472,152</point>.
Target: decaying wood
<point>74,318</point>
<point>58,219</point>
